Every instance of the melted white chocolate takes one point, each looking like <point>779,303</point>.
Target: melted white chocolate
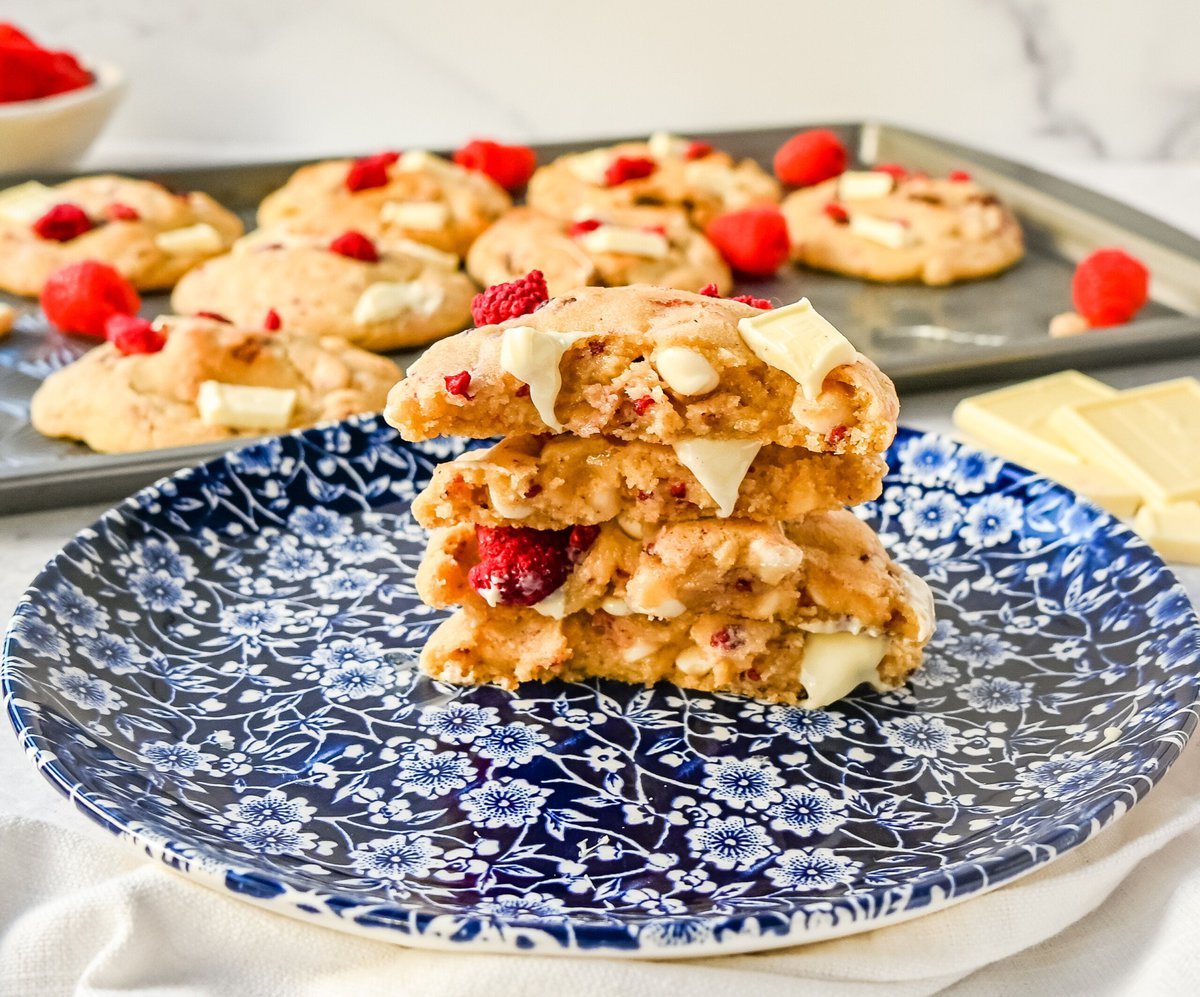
<point>835,664</point>
<point>685,370</point>
<point>720,466</point>
<point>532,356</point>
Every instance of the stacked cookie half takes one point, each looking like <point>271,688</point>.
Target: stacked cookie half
<point>668,501</point>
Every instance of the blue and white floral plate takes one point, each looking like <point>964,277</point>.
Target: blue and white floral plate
<point>221,671</point>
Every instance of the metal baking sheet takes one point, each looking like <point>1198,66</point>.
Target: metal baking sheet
<point>923,337</point>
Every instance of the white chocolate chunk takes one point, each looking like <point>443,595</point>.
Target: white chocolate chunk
<point>834,665</point>
<point>863,185</point>
<point>664,145</point>
<point>615,606</point>
<point>720,466</point>
<point>423,161</point>
<point>1173,530</point>
<point>532,356</point>
<point>623,239</point>
<point>509,510</point>
<point>554,605</point>
<point>882,231</point>
<point>426,216</point>
<point>798,341</point>
<point>773,559</point>
<point>386,300</point>
<point>693,661</point>
<point>241,406</point>
<point>200,238</point>
<point>27,202</point>
<point>632,528</point>
<point>685,371</point>
<point>410,247</point>
<point>668,609</point>
<point>591,167</point>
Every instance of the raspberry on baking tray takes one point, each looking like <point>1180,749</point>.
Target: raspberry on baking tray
<point>519,566</point>
<point>510,166</point>
<point>504,301</point>
<point>81,297</point>
<point>1109,287</point>
<point>131,334</point>
<point>810,157</point>
<point>754,240</point>
<point>370,171</point>
<point>63,222</point>
<point>625,168</point>
<point>356,246</point>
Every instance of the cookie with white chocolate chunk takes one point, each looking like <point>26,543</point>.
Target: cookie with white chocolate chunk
<point>631,246</point>
<point>709,375</point>
<point>149,234</point>
<point>886,225</point>
<point>375,297</point>
<point>209,381</point>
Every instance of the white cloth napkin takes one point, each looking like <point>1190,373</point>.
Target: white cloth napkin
<point>84,914</point>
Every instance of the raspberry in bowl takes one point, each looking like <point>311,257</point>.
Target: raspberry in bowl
<point>52,104</point>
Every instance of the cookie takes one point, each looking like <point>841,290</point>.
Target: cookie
<point>149,234</point>
<point>885,227</point>
<point>116,403</point>
<point>631,246</point>
<point>380,299</point>
<point>666,172</point>
<point>550,483</point>
<point>417,196</point>
<point>648,364</point>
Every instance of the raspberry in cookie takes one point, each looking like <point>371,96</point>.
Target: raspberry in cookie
<point>62,223</point>
<point>130,335</point>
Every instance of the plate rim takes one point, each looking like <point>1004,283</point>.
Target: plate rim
<point>724,934</point>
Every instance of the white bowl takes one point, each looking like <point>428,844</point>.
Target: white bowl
<point>54,132</point>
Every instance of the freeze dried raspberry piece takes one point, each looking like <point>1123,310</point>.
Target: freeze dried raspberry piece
<point>579,542</point>
<point>626,168</point>
<point>837,212</point>
<point>131,335</point>
<point>583,227</point>
<point>710,291</point>
<point>501,302</point>
<point>642,405</point>
<point>459,384</point>
<point>510,166</point>
<point>81,297</point>
<point>697,150</point>
<point>370,171</point>
<point>215,316</point>
<point>728,638</point>
<point>754,241</point>
<point>272,321</point>
<point>1109,287</point>
<point>893,170</point>
<point>63,222</point>
<point>958,176</point>
<point>356,246</point>
<point>810,157</point>
<point>118,212</point>
<point>519,566</point>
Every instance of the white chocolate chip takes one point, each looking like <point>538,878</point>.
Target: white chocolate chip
<point>693,661</point>
<point>428,254</point>
<point>773,560</point>
<point>638,650</point>
<point>632,528</point>
<point>422,161</point>
<point>1068,324</point>
<point>664,145</point>
<point>720,466</point>
<point>882,231</point>
<point>623,239</point>
<point>668,609</point>
<point>509,510</point>
<point>240,406</point>
<point>426,216</point>
<point>864,185</point>
<point>533,357</point>
<point>591,167</point>
<point>554,605</point>
<point>615,606</point>
<point>387,300</point>
<point>198,239</point>
<point>27,202</point>
<point>491,595</point>
<point>798,341</point>
<point>685,370</point>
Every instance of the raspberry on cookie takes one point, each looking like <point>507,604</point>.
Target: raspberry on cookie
<point>619,247</point>
<point>390,197</point>
<point>183,380</point>
<point>148,234</point>
<point>381,297</point>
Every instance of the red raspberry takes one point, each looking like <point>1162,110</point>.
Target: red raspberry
<point>356,246</point>
<point>679,489</point>
<point>837,212</point>
<point>131,334</point>
<point>728,638</point>
<point>519,565</point>
<point>697,150</point>
<point>271,321</point>
<point>504,301</point>
<point>63,222</point>
<point>587,225</point>
<point>459,384</point>
<point>625,168</point>
<point>118,212</point>
<point>894,170</point>
<point>28,71</point>
<point>754,241</point>
<point>641,405</point>
<point>580,541</point>
<point>753,302</point>
<point>1109,287</point>
<point>710,291</point>
<point>81,297</point>
<point>810,157</point>
<point>958,176</point>
<point>215,316</point>
<point>370,171</point>
<point>510,166</point>
<point>836,435</point>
